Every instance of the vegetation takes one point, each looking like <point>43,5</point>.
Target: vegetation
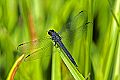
<point>97,52</point>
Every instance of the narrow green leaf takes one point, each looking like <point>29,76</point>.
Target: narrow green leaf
<point>74,70</point>
<point>56,68</point>
<point>13,70</point>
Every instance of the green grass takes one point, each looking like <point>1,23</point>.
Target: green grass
<point>15,68</point>
<point>96,52</point>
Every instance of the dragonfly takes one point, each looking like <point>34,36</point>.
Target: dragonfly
<point>40,46</point>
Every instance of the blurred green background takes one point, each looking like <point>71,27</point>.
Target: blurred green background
<point>98,53</point>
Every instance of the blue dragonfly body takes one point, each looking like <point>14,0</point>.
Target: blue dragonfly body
<point>57,39</point>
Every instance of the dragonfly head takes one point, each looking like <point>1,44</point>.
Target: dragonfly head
<point>50,32</point>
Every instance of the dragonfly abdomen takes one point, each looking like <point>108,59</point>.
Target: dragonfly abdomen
<point>67,52</point>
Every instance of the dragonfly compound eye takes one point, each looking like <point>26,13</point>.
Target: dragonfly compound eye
<point>50,32</point>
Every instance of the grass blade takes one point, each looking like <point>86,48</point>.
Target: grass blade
<point>13,70</point>
<point>74,70</point>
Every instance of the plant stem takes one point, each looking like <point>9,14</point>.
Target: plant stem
<point>15,67</point>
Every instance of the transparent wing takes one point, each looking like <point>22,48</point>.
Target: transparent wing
<point>35,49</point>
<point>76,28</point>
<point>74,22</point>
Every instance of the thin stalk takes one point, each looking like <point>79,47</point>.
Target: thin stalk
<point>114,37</point>
<point>56,70</point>
<point>116,71</point>
<point>15,67</point>
<point>74,70</point>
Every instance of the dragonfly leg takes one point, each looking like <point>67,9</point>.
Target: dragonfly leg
<point>56,45</point>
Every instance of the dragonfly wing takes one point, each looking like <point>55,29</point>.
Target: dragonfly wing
<point>35,49</point>
<point>76,21</point>
<point>74,34</point>
<point>81,31</point>
<point>76,28</point>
